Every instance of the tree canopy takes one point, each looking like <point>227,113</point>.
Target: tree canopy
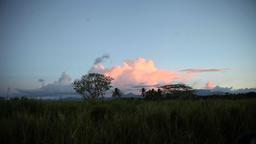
<point>92,86</point>
<point>174,88</point>
<point>177,90</point>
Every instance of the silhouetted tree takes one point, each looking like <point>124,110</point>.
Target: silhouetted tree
<point>159,93</point>
<point>153,94</point>
<point>150,94</point>
<point>143,91</point>
<point>116,93</point>
<point>177,90</point>
<point>92,85</point>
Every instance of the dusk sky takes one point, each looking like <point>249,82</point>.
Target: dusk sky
<point>198,42</point>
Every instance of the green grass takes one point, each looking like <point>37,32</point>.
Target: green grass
<point>177,121</point>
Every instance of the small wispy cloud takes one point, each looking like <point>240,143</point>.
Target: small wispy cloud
<point>97,66</point>
<point>210,85</point>
<point>101,59</point>
<point>202,70</point>
<point>41,81</point>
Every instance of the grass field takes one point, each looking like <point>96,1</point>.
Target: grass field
<point>211,121</point>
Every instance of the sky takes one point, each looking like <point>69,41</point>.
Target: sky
<point>203,43</point>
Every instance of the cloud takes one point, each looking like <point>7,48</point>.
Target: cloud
<point>101,59</point>
<point>222,89</point>
<point>245,90</point>
<point>202,70</point>
<point>143,72</point>
<point>41,81</point>
<point>130,76</point>
<point>219,90</point>
<point>231,90</point>
<point>97,66</point>
<point>139,72</point>
<point>146,86</point>
<point>192,72</point>
<point>62,86</point>
<point>64,79</point>
<point>209,85</point>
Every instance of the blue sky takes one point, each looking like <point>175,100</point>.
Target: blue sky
<point>42,39</point>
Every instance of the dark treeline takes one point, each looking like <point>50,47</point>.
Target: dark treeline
<point>181,91</point>
<point>157,95</point>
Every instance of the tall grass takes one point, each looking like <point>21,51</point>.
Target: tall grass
<point>126,121</point>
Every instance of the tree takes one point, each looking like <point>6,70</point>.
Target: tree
<point>159,93</point>
<point>116,93</point>
<point>92,85</point>
<point>177,90</point>
<point>153,94</point>
<point>143,92</point>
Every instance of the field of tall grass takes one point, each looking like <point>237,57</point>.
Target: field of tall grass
<point>210,121</point>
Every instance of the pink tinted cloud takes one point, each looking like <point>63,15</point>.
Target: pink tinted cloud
<point>144,72</point>
<point>141,71</point>
<point>194,72</point>
<point>202,70</point>
<point>210,85</point>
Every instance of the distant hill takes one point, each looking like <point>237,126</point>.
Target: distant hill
<point>131,95</point>
<point>72,96</point>
<point>205,92</point>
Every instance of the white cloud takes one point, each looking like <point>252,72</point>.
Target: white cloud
<point>231,90</point>
<point>62,86</point>
<point>64,79</point>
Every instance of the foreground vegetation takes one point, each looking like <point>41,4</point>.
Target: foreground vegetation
<point>208,121</point>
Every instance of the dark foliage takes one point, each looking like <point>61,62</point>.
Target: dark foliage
<point>177,121</point>
<point>169,92</point>
<point>92,85</point>
<point>153,94</point>
<point>116,93</point>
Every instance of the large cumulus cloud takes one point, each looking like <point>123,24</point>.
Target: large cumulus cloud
<point>138,71</point>
<point>144,72</point>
